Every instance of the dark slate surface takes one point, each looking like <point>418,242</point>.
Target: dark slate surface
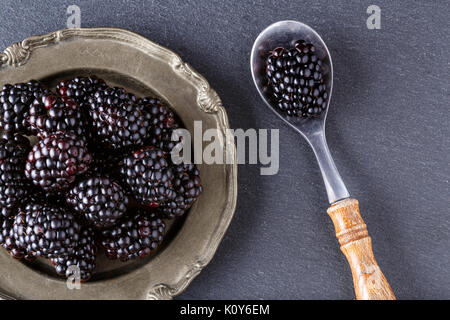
<point>388,130</point>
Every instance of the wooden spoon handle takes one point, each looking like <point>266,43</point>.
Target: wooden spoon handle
<point>351,231</point>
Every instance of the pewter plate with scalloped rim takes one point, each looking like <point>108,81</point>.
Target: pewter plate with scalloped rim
<point>145,68</point>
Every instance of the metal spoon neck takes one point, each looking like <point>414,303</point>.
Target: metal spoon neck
<point>336,189</point>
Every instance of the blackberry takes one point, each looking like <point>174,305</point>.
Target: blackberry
<point>162,122</point>
<point>118,121</point>
<point>55,161</point>
<point>45,230</point>
<point>55,114</point>
<point>83,257</point>
<point>148,175</point>
<point>15,103</point>
<point>13,183</point>
<point>80,89</point>
<point>187,186</point>
<point>296,80</point>
<point>8,241</point>
<point>138,235</point>
<point>100,200</point>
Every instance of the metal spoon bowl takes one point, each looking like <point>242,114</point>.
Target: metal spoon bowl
<point>285,34</point>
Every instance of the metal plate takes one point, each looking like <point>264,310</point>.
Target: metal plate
<point>124,58</point>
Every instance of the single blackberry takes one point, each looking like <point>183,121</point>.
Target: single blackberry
<point>13,183</point>
<point>8,241</point>
<point>296,80</point>
<point>148,175</point>
<point>81,89</point>
<point>118,121</point>
<point>83,257</point>
<point>15,103</point>
<point>55,114</point>
<point>137,235</point>
<point>162,121</point>
<point>45,230</point>
<point>55,161</point>
<point>187,186</point>
<point>100,200</point>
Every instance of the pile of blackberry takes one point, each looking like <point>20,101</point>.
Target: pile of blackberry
<point>296,80</point>
<point>98,176</point>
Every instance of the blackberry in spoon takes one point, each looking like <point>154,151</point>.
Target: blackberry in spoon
<point>297,103</point>
<point>296,80</point>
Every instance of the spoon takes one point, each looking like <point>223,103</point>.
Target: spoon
<point>369,282</point>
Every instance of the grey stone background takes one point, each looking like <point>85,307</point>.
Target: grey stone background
<point>388,130</point>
